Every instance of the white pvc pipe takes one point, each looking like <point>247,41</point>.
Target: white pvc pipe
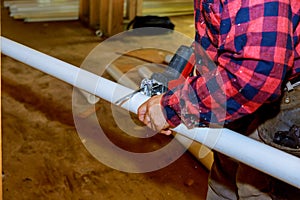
<point>92,99</point>
<point>145,72</point>
<point>118,75</point>
<point>265,158</point>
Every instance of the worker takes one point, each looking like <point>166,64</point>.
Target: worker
<point>255,46</point>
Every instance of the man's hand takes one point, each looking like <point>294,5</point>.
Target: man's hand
<point>151,114</point>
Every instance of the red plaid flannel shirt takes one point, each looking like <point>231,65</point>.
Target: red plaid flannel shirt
<point>255,46</point>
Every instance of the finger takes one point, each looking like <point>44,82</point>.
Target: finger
<point>146,119</point>
<point>150,122</point>
<point>166,132</point>
<point>157,126</point>
<point>157,117</point>
<point>152,126</point>
<point>142,112</point>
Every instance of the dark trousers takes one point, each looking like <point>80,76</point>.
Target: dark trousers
<point>230,179</point>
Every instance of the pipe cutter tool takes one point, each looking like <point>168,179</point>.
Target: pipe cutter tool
<point>180,67</point>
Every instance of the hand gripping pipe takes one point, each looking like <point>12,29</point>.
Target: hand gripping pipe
<point>265,158</point>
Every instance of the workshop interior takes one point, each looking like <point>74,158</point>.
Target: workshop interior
<point>73,74</point>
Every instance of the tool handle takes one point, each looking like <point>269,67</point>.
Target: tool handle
<point>183,62</point>
<point>180,67</point>
<point>179,62</point>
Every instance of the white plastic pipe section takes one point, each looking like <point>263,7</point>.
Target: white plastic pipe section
<point>267,159</point>
<point>118,75</point>
<point>92,99</point>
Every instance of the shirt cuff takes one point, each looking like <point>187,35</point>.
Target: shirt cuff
<point>171,108</point>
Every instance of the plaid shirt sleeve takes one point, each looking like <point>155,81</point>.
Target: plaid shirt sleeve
<point>254,45</point>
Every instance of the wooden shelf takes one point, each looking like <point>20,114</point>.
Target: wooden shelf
<point>35,10</point>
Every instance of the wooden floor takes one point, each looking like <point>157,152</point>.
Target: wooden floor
<point>43,156</point>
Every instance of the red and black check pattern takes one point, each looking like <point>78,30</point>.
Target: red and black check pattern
<point>255,45</point>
